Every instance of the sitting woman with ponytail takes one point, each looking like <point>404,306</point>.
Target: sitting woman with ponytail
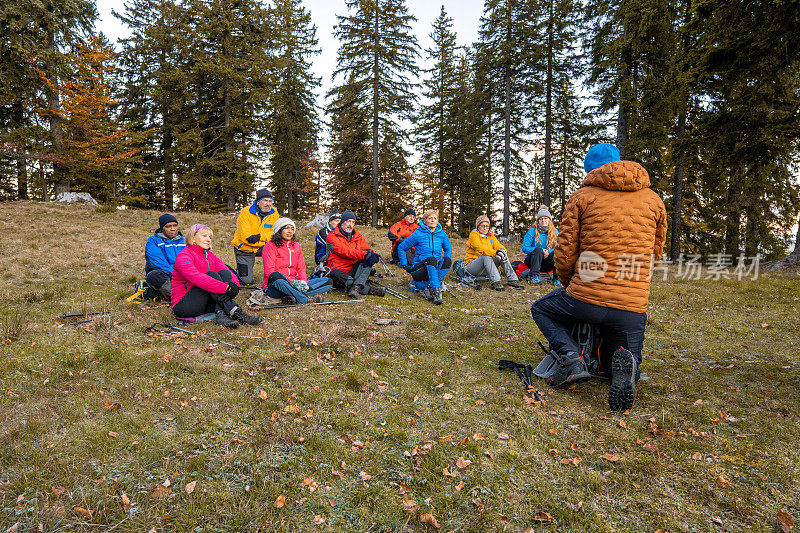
<point>539,244</point>
<point>201,283</point>
<point>432,257</point>
<point>285,269</point>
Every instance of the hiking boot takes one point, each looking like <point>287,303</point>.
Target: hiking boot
<point>224,320</point>
<point>426,293</point>
<point>624,369</point>
<point>354,291</point>
<point>376,290</point>
<point>536,279</point>
<point>515,285</point>
<point>436,296</point>
<point>288,300</point>
<point>557,282</point>
<point>570,369</point>
<point>498,286</point>
<point>316,299</point>
<point>244,318</point>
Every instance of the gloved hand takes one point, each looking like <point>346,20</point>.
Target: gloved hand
<point>252,239</point>
<point>232,290</point>
<point>502,255</point>
<point>371,257</point>
<point>407,268</point>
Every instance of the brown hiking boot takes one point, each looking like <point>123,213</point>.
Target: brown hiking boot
<point>354,291</point>
<point>376,290</point>
<point>316,299</point>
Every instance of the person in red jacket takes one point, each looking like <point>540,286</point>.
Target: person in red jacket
<point>400,231</point>
<point>201,283</point>
<point>351,259</point>
<point>285,269</point>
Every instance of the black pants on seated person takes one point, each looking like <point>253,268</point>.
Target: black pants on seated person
<point>199,301</point>
<point>358,275</point>
<point>537,262</point>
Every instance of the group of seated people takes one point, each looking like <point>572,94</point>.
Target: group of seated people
<point>197,282</point>
<point>185,270</point>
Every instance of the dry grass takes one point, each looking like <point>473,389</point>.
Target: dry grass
<point>95,418</point>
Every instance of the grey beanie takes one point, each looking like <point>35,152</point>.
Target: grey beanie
<point>280,223</point>
<point>544,212</point>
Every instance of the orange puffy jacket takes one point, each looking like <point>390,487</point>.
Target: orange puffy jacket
<point>346,253</point>
<point>613,228</point>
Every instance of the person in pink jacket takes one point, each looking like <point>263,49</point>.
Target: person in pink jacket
<point>285,269</point>
<point>201,283</point>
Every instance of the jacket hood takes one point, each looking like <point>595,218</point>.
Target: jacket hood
<point>618,176</point>
<point>254,209</point>
<point>160,234</point>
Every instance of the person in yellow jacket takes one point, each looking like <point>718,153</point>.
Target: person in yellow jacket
<point>485,254</point>
<point>253,230</point>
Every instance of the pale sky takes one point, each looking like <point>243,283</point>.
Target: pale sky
<point>465,14</point>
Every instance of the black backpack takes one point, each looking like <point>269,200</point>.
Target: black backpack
<point>592,349</point>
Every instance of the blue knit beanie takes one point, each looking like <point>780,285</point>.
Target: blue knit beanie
<point>599,155</point>
<point>165,219</point>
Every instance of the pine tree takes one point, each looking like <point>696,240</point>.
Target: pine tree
<point>376,57</point>
<point>294,121</point>
<point>508,47</point>
<point>434,125</point>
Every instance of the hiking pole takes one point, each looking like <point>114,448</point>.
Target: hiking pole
<point>446,288</point>
<point>176,328</point>
<point>523,372</point>
<point>83,314</point>
<point>387,270</point>
<point>392,291</point>
<point>456,287</point>
<point>284,306</point>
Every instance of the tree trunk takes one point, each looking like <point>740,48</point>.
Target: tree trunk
<point>375,66</point>
<point>677,193</point>
<point>796,251</point>
<point>734,216</point>
<point>548,125</point>
<point>489,140</point>
<point>60,173</point>
<point>507,134</point>
<point>18,112</point>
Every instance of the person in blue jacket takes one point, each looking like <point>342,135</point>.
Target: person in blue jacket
<point>539,244</point>
<point>321,244</point>
<point>160,252</point>
<point>432,251</point>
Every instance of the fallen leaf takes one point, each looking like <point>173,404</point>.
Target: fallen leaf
<point>459,486</point>
<point>410,506</point>
<point>280,501</point>
<point>502,436</point>
<point>364,476</point>
<point>319,519</point>
<point>463,463</point>
<point>542,516</point>
<point>480,402</point>
<point>86,513</point>
<point>113,434</point>
<point>190,487</point>
<point>786,521</point>
<point>623,424</point>
<point>429,519</point>
<point>722,481</point>
<point>697,456</point>
<point>448,473</point>
<point>126,502</point>
<point>262,394</point>
<point>717,520</point>
<point>58,490</point>
<point>478,436</point>
<point>160,491</point>
<point>479,504</point>
<point>489,454</point>
<point>609,457</point>
<point>447,396</point>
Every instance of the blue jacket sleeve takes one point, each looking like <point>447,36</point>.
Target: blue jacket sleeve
<point>528,242</point>
<point>155,255</point>
<point>447,248</point>
<point>319,249</point>
<point>407,243</point>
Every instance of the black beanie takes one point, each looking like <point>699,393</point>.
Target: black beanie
<point>334,215</point>
<point>409,211</point>
<point>347,215</point>
<point>263,193</point>
<point>165,219</point>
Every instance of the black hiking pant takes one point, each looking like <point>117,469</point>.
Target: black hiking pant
<point>557,313</point>
<point>358,275</point>
<point>159,280</point>
<point>409,255</point>
<point>537,262</point>
<point>199,301</point>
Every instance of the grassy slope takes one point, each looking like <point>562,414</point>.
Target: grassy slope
<point>368,415</point>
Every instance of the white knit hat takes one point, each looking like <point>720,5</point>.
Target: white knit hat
<point>281,222</point>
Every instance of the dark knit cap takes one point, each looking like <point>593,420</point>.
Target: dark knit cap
<point>334,215</point>
<point>263,193</point>
<point>409,211</point>
<point>165,219</point>
<point>347,215</point>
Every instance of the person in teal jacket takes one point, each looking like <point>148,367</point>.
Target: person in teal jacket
<point>432,257</point>
<point>539,244</point>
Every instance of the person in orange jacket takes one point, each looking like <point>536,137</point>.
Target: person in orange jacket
<point>613,228</point>
<point>351,259</point>
<point>400,231</point>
